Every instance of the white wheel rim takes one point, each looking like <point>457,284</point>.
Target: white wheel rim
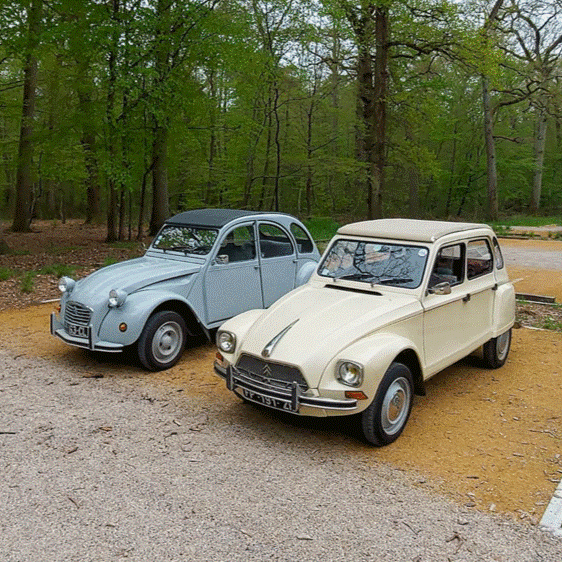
<point>396,406</point>
<point>166,343</point>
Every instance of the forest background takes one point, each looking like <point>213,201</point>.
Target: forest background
<point>126,111</point>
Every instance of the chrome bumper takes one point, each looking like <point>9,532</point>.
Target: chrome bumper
<point>57,329</point>
<point>285,399</point>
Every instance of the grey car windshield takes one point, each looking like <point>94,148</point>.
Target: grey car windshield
<point>186,239</point>
<point>379,263</point>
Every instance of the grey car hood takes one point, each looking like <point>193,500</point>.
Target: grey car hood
<point>129,276</point>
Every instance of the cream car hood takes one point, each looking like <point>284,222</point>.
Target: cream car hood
<point>323,322</point>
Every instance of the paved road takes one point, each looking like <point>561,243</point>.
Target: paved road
<point>530,254</point>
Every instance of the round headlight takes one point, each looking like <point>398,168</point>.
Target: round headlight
<point>66,284</point>
<point>349,373</point>
<point>116,298</point>
<point>226,341</point>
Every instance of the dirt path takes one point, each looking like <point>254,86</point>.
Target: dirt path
<point>488,439</point>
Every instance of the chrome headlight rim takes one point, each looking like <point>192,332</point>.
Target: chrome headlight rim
<point>66,284</point>
<point>226,341</point>
<point>116,298</point>
<point>350,373</point>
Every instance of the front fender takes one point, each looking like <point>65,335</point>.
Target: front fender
<point>375,353</point>
<point>134,313</point>
<point>239,326</point>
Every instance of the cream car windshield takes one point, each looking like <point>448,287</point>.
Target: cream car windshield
<point>186,239</point>
<point>379,263</point>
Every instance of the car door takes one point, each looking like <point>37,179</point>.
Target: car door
<point>278,262</point>
<point>457,323</point>
<point>232,284</point>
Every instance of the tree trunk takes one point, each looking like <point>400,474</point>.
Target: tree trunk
<point>160,204</point>
<point>491,171</point>
<point>380,91</point>
<point>112,129</point>
<point>24,181</point>
<point>540,142</point>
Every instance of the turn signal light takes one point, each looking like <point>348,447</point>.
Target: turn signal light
<point>357,394</point>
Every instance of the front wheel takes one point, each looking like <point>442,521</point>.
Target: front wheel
<point>384,420</point>
<point>162,340</point>
<point>496,350</point>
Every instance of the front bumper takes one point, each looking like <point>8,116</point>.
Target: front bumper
<point>277,397</point>
<point>86,338</point>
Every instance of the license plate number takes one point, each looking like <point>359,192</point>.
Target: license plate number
<point>267,400</point>
<point>78,331</point>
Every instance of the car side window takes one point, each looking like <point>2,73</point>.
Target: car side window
<point>304,243</point>
<point>274,242</point>
<point>238,245</point>
<point>449,266</point>
<point>498,254</point>
<point>479,259</point>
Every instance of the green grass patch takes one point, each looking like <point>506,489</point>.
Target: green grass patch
<point>6,273</point>
<point>109,261</point>
<point>552,324</point>
<point>27,284</point>
<point>58,270</point>
<point>322,228</point>
<point>526,220</point>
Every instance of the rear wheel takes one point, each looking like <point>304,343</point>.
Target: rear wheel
<point>496,350</point>
<point>384,420</point>
<point>162,340</point>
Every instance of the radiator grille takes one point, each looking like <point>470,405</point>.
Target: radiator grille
<point>77,314</point>
<point>268,371</point>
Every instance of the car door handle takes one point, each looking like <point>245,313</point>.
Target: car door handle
<point>466,298</point>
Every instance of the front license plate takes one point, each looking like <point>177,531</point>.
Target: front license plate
<point>267,400</point>
<point>78,331</point>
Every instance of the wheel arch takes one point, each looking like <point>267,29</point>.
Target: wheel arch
<point>410,358</point>
<point>194,326</point>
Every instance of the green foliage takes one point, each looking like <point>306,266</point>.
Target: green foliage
<point>6,273</point>
<point>109,261</point>
<point>27,283</point>
<point>322,228</point>
<point>58,270</point>
<point>259,102</point>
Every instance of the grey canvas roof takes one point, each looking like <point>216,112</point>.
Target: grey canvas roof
<point>408,229</point>
<point>214,218</point>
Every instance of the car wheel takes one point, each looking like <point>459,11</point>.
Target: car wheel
<point>162,340</point>
<point>496,350</point>
<point>384,420</point>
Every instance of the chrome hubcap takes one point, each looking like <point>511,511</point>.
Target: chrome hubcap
<point>167,341</point>
<point>502,345</point>
<point>396,406</point>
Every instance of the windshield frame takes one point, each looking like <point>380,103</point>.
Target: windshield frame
<point>423,253</point>
<point>187,249</point>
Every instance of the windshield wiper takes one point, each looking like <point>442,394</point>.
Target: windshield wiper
<point>397,280</point>
<point>354,276</point>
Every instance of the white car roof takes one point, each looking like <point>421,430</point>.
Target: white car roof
<point>408,229</point>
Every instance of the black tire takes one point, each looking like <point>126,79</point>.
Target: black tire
<point>384,420</point>
<point>162,340</point>
<point>496,350</point>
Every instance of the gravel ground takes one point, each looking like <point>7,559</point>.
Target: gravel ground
<point>120,467</point>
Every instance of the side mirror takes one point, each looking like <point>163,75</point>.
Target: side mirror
<point>221,259</point>
<point>443,288</point>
